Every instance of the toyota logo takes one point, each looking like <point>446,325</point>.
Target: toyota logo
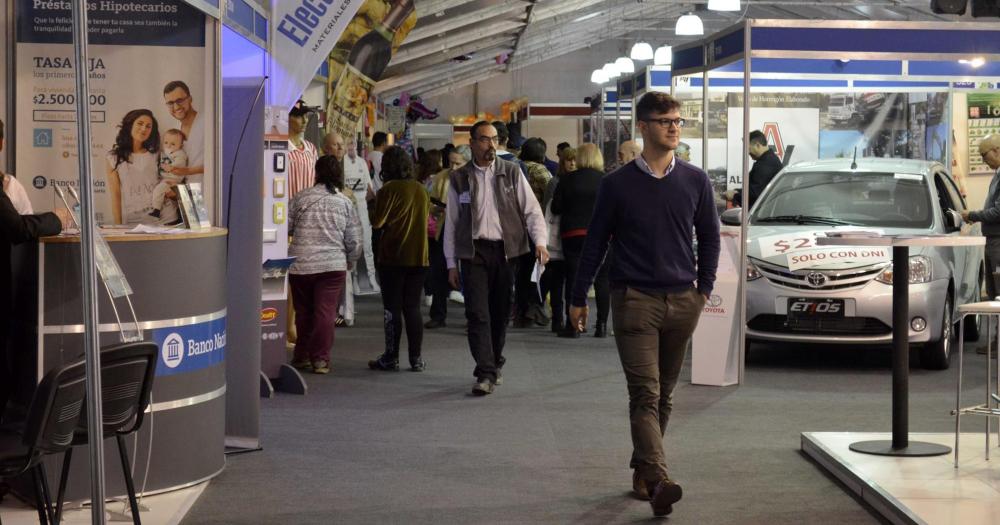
<point>714,301</point>
<point>816,279</point>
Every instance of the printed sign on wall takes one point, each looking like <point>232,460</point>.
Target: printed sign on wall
<point>192,347</point>
<point>984,119</point>
<point>151,105</point>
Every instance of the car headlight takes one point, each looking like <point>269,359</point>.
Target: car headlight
<point>920,271</point>
<point>752,273</point>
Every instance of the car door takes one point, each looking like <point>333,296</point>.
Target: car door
<point>974,254</point>
<point>965,272</point>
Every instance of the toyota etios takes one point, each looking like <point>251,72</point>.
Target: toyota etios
<point>801,292</point>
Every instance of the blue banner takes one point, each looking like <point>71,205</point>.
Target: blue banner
<point>113,22</point>
<point>192,347</point>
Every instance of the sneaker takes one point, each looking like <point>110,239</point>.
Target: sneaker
<point>383,365</point>
<point>302,364</point>
<point>320,367</point>
<point>418,366</point>
<point>483,387</point>
<point>664,496</point>
<point>456,297</point>
<point>639,488</point>
<point>499,379</point>
<point>434,323</point>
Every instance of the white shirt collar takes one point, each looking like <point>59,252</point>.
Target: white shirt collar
<point>644,166</point>
<point>486,169</point>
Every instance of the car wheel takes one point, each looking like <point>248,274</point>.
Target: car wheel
<point>936,355</point>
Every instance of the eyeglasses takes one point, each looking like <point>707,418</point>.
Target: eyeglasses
<point>178,102</point>
<point>483,139</point>
<point>667,122</point>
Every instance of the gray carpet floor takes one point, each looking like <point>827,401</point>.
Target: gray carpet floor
<point>552,444</point>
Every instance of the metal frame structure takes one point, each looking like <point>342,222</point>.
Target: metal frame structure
<point>872,56</point>
<point>451,33</point>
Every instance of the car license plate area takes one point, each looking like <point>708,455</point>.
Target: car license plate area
<point>808,311</point>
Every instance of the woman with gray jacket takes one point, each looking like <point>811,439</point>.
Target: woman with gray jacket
<point>326,243</point>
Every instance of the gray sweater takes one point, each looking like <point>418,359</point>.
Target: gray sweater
<point>990,214</point>
<point>326,231</point>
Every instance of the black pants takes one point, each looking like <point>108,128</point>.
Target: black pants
<point>554,285</point>
<point>439,281</point>
<point>992,267</point>
<point>488,279</point>
<point>402,289</point>
<point>572,250</point>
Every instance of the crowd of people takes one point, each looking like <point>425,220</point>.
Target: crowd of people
<point>523,237</point>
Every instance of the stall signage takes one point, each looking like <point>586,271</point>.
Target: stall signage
<point>837,255</point>
<point>191,347</point>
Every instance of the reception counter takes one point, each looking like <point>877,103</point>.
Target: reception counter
<point>179,295</point>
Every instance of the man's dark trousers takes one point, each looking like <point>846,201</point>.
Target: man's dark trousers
<point>487,280</point>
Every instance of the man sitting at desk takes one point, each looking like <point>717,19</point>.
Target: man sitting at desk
<point>15,229</point>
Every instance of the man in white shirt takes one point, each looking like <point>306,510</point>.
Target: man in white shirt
<point>180,104</point>
<point>356,179</point>
<point>380,141</point>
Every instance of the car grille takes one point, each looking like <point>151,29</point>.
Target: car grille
<point>775,323</point>
<point>835,280</point>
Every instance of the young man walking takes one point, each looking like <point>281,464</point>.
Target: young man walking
<point>649,209</point>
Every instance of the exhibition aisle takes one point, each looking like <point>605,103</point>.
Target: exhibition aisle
<point>552,445</point>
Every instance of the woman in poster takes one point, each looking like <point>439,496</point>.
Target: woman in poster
<point>133,165</point>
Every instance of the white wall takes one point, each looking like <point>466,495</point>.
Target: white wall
<point>553,131</point>
<point>564,79</point>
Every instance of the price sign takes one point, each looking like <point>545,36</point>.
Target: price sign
<point>788,243</point>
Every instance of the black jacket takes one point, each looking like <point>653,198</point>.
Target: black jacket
<point>15,229</point>
<point>764,169</point>
<point>575,198</point>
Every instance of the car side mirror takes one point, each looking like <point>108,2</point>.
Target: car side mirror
<point>732,217</point>
<point>953,221</point>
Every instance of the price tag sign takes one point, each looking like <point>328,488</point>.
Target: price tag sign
<point>787,243</point>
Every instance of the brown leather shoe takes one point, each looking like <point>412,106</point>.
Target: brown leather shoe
<point>665,494</point>
<point>639,489</point>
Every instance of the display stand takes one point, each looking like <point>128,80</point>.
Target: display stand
<point>900,445</point>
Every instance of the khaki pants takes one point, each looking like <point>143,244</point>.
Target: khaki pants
<point>652,333</point>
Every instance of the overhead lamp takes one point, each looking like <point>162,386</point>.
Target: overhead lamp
<point>598,76</point>
<point>641,51</point>
<point>975,62</point>
<point>689,25</point>
<point>624,65</point>
<point>723,5</point>
<point>664,56</point>
<point>611,71</point>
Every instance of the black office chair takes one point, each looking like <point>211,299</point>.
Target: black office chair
<point>48,429</point>
<point>127,372</point>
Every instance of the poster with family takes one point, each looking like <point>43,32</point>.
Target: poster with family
<point>151,106</point>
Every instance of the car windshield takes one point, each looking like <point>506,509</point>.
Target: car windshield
<point>891,200</point>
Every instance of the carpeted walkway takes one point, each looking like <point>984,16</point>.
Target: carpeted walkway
<point>552,445</point>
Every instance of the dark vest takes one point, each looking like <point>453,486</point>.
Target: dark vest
<point>507,178</point>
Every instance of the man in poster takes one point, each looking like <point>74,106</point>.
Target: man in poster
<point>180,104</point>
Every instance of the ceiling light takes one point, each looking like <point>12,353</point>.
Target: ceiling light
<point>664,56</point>
<point>723,5</point>
<point>587,17</point>
<point>624,65</point>
<point>689,25</point>
<point>598,76</point>
<point>611,71</point>
<point>977,62</point>
<point>641,51</point>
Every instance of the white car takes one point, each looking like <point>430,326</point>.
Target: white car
<point>801,292</point>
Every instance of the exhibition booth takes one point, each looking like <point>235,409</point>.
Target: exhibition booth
<point>851,90</point>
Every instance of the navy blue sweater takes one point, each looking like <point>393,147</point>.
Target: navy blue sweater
<point>651,223</point>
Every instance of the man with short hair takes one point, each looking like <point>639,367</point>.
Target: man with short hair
<point>989,149</point>
<point>766,165</point>
<point>627,152</point>
<point>380,142</point>
<point>491,215</point>
<point>648,209</point>
<point>180,104</point>
<point>356,179</point>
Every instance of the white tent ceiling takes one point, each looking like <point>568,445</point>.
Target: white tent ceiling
<point>482,32</point>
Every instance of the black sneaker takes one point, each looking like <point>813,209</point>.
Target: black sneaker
<point>418,365</point>
<point>483,387</point>
<point>383,365</point>
<point>434,323</point>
